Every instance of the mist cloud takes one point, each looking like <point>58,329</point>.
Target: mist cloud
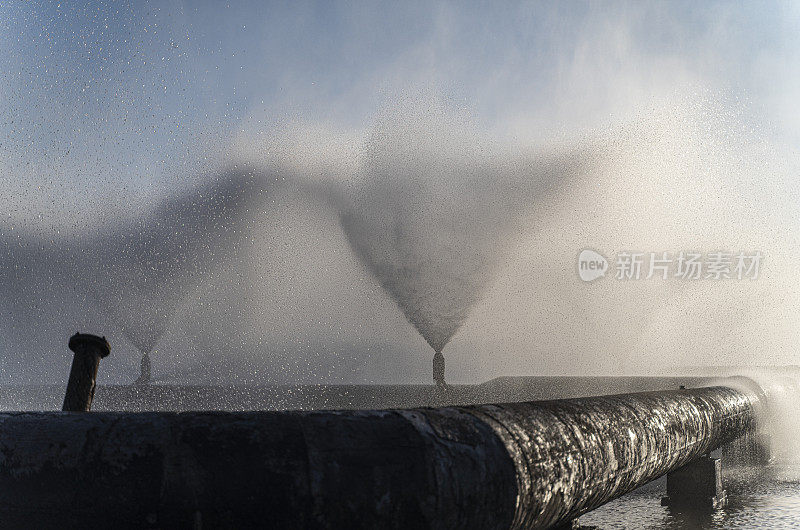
<point>464,216</point>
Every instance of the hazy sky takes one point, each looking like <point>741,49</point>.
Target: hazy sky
<point>108,108</point>
<point>149,87</point>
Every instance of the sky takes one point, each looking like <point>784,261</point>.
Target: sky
<point>108,111</point>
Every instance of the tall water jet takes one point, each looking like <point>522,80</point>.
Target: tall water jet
<point>435,204</point>
<point>142,268</point>
<point>156,261</point>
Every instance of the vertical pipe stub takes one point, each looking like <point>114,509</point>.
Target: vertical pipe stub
<point>89,349</point>
<point>144,374</point>
<point>438,369</point>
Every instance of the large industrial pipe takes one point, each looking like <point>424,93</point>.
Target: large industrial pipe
<point>521,465</point>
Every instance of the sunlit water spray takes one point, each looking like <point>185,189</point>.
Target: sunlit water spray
<point>437,210</point>
<point>432,209</point>
<point>780,419</point>
<point>136,274</point>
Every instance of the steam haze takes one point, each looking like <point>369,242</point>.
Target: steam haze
<point>268,194</point>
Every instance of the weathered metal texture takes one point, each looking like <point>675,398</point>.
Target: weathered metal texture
<point>371,469</point>
<point>574,455</point>
<point>488,466</point>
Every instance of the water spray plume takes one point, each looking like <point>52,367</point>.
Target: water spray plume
<point>137,273</point>
<point>434,206</point>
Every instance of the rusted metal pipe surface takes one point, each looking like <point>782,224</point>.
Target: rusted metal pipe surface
<point>572,456</point>
<point>488,466</point>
